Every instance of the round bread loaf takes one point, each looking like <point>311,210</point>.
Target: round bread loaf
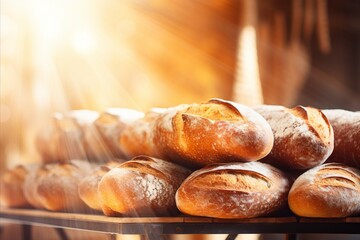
<point>330,190</point>
<point>11,186</point>
<point>303,136</point>
<point>143,186</point>
<point>346,125</point>
<point>233,190</point>
<point>88,187</point>
<point>195,135</point>
<point>57,186</point>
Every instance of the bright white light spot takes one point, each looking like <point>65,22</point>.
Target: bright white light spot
<point>83,42</point>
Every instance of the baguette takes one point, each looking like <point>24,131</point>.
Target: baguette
<point>331,190</point>
<point>233,190</point>
<point>346,125</point>
<point>303,136</point>
<point>195,135</point>
<point>143,186</point>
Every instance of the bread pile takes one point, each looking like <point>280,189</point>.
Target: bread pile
<point>216,159</point>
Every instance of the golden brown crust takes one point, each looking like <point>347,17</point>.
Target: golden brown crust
<point>346,125</point>
<point>217,131</point>
<point>303,136</point>
<point>11,187</point>
<point>233,190</point>
<point>195,135</point>
<point>111,124</point>
<point>57,188</point>
<point>88,187</point>
<point>137,137</point>
<point>329,190</point>
<point>144,186</point>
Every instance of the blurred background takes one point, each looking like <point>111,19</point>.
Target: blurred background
<point>59,55</point>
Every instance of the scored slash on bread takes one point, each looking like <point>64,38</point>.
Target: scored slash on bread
<point>346,125</point>
<point>330,190</point>
<point>233,190</point>
<point>143,186</point>
<point>303,136</point>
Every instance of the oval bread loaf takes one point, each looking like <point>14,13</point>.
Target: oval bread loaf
<point>346,125</point>
<point>327,191</point>
<point>57,186</point>
<point>303,136</point>
<point>11,186</point>
<point>143,186</point>
<point>30,184</point>
<point>111,124</point>
<point>233,190</point>
<point>88,187</point>
<point>195,135</point>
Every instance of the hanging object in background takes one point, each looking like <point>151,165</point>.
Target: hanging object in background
<point>247,87</point>
<point>297,58</point>
<point>323,33</point>
<point>285,65</point>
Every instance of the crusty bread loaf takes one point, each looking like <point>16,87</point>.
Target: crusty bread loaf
<point>110,125</point>
<point>57,186</point>
<point>196,135</point>
<point>346,125</point>
<point>88,187</point>
<point>138,137</point>
<point>31,183</point>
<point>11,186</point>
<point>233,190</point>
<point>326,191</point>
<point>70,136</point>
<point>303,136</point>
<point>143,186</point>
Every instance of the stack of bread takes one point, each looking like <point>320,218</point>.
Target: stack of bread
<point>216,159</point>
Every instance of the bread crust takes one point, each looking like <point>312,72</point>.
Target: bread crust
<point>233,190</point>
<point>143,186</point>
<point>57,187</point>
<point>303,136</point>
<point>346,125</point>
<point>195,135</point>
<point>88,187</point>
<point>331,190</point>
<point>111,123</point>
<point>11,187</point>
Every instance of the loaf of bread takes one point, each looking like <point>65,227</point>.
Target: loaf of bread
<point>143,186</point>
<point>346,125</point>
<point>88,187</point>
<point>30,184</point>
<point>110,125</point>
<point>330,190</point>
<point>137,138</point>
<point>11,186</point>
<point>70,136</point>
<point>233,190</point>
<point>303,136</point>
<point>195,135</point>
<point>57,186</point>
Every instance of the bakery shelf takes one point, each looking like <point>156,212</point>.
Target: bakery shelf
<point>155,227</point>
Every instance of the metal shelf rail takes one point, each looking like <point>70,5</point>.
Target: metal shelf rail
<point>154,228</point>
